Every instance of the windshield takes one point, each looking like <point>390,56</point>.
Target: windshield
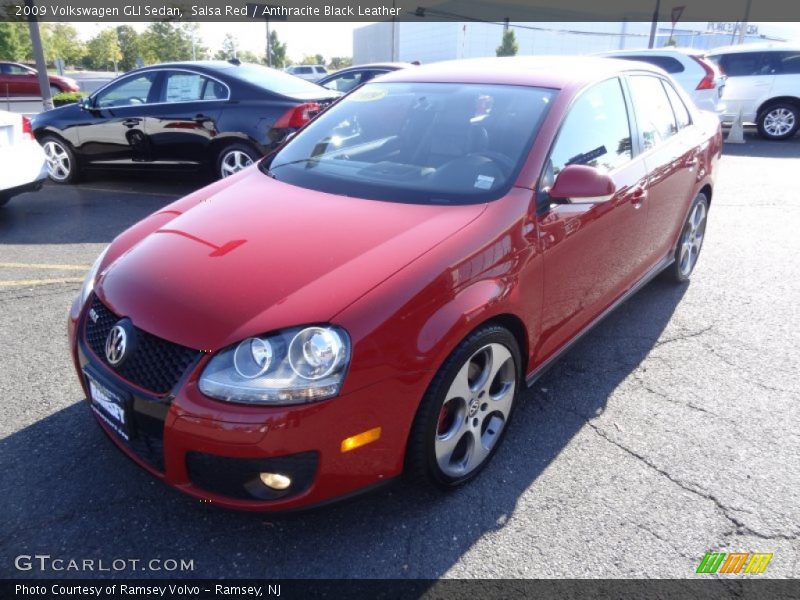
<point>275,81</point>
<point>447,143</point>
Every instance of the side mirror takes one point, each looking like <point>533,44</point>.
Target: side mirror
<point>581,182</point>
<point>85,103</point>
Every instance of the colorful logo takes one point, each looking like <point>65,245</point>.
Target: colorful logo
<point>753,563</point>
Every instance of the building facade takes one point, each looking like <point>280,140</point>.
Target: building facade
<point>432,41</point>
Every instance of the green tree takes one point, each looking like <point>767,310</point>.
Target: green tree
<point>11,47</point>
<point>103,49</point>
<point>62,42</point>
<point>15,41</point>
<point>130,45</point>
<point>313,59</point>
<point>164,42</point>
<point>246,56</point>
<point>340,62</point>
<point>508,46</point>
<point>229,48</point>
<point>671,42</point>
<point>278,50</point>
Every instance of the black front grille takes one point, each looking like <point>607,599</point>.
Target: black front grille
<point>155,365</point>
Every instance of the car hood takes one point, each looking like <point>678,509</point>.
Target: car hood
<point>258,255</point>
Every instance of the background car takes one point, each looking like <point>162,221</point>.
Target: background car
<point>217,116</point>
<point>21,80</point>
<point>24,166</point>
<point>307,72</point>
<point>350,78</point>
<point>370,300</point>
<point>701,79</point>
<point>763,84</point>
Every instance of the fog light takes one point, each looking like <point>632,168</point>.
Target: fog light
<point>361,439</point>
<point>276,481</point>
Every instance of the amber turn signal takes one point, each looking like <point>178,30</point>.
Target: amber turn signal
<point>361,439</point>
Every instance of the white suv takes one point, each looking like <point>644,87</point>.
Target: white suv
<point>701,79</point>
<point>763,85</point>
<point>307,72</point>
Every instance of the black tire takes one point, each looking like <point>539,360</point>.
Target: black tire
<point>55,148</point>
<point>232,151</point>
<point>779,121</point>
<point>421,464</point>
<point>679,271</point>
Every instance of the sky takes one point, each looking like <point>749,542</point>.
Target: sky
<point>325,38</point>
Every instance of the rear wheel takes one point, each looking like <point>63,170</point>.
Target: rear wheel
<point>464,415</point>
<point>691,241</point>
<point>62,165</point>
<point>779,121</point>
<point>234,158</point>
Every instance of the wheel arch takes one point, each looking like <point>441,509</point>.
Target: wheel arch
<point>794,100</point>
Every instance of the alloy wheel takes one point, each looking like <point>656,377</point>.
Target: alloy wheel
<point>234,161</point>
<point>58,161</point>
<point>475,410</point>
<point>779,121</point>
<point>692,238</point>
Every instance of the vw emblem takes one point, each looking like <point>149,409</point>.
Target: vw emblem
<point>119,342</point>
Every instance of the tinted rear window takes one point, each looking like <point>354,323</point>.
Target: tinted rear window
<point>274,81</point>
<point>747,64</point>
<point>433,143</point>
<point>669,64</point>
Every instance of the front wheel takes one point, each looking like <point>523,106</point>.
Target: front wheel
<point>779,121</point>
<point>466,410</point>
<point>691,241</point>
<point>62,166</point>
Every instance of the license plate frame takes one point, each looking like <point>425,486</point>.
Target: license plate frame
<point>111,405</point>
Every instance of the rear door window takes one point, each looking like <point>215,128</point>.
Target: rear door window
<point>682,117</point>
<point>653,110</point>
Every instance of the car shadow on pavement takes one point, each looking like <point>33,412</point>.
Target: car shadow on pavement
<point>94,211</point>
<point>68,493</point>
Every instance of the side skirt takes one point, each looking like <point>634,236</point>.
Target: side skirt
<point>646,278</point>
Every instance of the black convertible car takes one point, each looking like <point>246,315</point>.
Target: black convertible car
<point>207,114</point>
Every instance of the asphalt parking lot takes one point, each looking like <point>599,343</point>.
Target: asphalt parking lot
<point>668,432</point>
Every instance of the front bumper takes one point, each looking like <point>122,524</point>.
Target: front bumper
<point>214,450</point>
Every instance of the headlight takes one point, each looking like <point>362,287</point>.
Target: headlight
<point>88,283</point>
<point>293,366</point>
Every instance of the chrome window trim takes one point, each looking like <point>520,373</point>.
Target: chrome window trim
<point>154,70</point>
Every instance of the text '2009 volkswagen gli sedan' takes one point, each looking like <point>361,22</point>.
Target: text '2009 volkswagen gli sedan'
<point>371,299</point>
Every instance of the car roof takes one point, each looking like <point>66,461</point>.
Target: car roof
<point>381,65</point>
<point>673,52</point>
<point>539,71</point>
<point>761,47</point>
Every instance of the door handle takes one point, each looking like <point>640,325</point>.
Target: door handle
<point>131,122</point>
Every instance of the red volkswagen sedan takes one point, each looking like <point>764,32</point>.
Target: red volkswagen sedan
<point>371,299</point>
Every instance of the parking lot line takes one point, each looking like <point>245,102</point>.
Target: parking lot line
<point>34,282</point>
<point>136,192</point>
<point>11,265</point>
